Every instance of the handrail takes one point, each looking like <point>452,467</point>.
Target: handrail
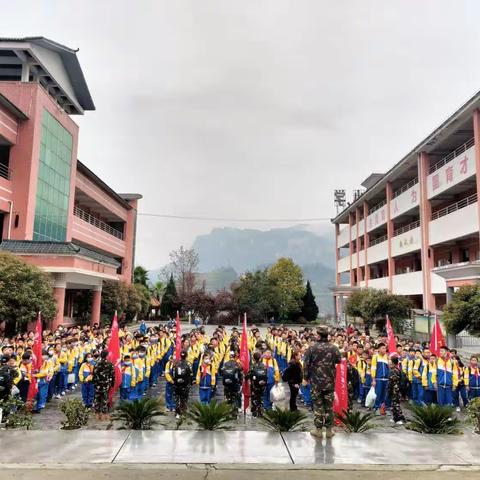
<point>5,172</point>
<point>378,240</point>
<point>465,202</point>
<point>448,158</point>
<point>405,187</point>
<point>406,228</point>
<point>78,212</point>
<point>378,206</point>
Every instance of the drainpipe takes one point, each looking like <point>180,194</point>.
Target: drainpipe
<point>10,213</point>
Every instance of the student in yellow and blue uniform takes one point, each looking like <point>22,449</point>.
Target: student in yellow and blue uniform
<point>43,379</point>
<point>365,375</point>
<point>471,378</point>
<point>55,368</point>
<point>169,388</point>
<point>206,379</point>
<point>127,387</point>
<point>380,372</point>
<point>444,378</point>
<point>139,364</point>
<point>429,380</point>
<point>85,375</point>
<point>418,366</point>
<point>273,377</point>
<point>407,367</point>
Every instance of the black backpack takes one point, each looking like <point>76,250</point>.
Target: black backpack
<point>5,379</point>
<point>181,374</point>
<point>230,374</point>
<point>404,383</point>
<point>259,374</point>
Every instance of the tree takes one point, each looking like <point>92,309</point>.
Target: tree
<point>169,304</point>
<point>373,305</point>
<point>183,265</point>
<point>140,276</point>
<point>158,289</point>
<point>114,298</point>
<point>200,302</point>
<point>463,311</point>
<point>255,295</point>
<point>287,278</point>
<point>138,301</point>
<point>309,307</point>
<point>24,291</point>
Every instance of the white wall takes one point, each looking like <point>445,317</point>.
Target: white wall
<point>361,262</point>
<point>454,225</point>
<point>406,201</point>
<point>378,252</point>
<point>377,218</point>
<point>437,283</point>
<point>343,236</point>
<point>379,283</point>
<point>344,264</point>
<point>408,283</point>
<point>452,173</point>
<point>407,242</point>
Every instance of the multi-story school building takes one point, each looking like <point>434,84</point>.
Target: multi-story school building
<point>54,211</point>
<point>415,229</point>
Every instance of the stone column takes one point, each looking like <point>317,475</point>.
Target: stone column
<point>59,288</point>
<point>96,305</point>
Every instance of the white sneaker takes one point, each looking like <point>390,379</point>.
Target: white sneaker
<point>399,422</point>
<point>392,420</point>
<point>177,416</point>
<point>457,409</point>
<point>358,400</point>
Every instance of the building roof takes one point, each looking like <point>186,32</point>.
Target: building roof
<point>26,247</point>
<point>451,125</point>
<point>121,198</point>
<point>55,65</point>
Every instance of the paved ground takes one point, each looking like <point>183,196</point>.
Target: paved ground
<point>236,447</point>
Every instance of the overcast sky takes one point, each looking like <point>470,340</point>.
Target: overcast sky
<point>255,108</point>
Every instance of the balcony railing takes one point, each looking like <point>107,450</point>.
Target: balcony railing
<point>378,206</point>
<point>405,187</point>
<point>406,228</point>
<point>465,202</point>
<point>458,151</point>
<point>5,172</point>
<point>86,217</point>
<point>378,240</point>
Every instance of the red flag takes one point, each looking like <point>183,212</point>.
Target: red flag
<point>392,345</point>
<point>178,337</point>
<point>114,357</point>
<point>341,390</point>
<point>437,339</point>
<point>245,361</point>
<point>37,360</point>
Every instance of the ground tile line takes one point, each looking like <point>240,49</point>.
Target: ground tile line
<point>121,447</point>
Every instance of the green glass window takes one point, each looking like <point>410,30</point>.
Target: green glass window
<point>53,187</point>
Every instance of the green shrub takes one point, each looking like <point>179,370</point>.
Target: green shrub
<point>140,414</point>
<point>212,416</point>
<point>76,414</point>
<point>473,412</point>
<point>355,421</point>
<point>283,420</point>
<point>434,419</point>
<point>16,414</point>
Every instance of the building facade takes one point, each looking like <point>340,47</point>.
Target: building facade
<point>54,211</point>
<point>415,230</point>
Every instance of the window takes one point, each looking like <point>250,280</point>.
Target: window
<point>53,187</point>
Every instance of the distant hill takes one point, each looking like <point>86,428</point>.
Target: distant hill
<point>226,253</point>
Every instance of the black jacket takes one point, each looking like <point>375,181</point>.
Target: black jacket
<point>293,374</point>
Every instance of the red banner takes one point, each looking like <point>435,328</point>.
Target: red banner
<point>37,360</point>
<point>178,337</point>
<point>245,361</point>
<point>114,357</point>
<point>392,345</point>
<point>341,389</point>
<point>437,339</point>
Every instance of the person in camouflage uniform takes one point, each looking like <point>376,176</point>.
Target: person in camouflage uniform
<point>232,381</point>
<point>182,379</point>
<point>394,391</point>
<point>103,380</point>
<point>257,386</point>
<point>320,364</point>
